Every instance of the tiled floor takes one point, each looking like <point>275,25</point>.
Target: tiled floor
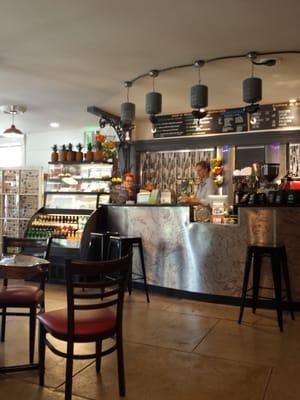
<point>174,349</point>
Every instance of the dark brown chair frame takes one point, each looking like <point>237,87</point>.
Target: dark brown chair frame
<point>42,245</point>
<point>108,291</point>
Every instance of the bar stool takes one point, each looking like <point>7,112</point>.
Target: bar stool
<point>124,244</point>
<point>278,256</point>
<point>98,245</point>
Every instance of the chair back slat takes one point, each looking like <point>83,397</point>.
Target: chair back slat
<point>103,283</point>
<point>34,247</point>
<point>96,295</point>
<point>96,306</point>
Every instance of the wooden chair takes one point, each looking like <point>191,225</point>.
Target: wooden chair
<point>92,315</point>
<point>24,296</point>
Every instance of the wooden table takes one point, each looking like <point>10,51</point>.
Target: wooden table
<point>18,268</point>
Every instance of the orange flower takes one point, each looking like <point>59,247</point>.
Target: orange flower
<point>100,138</point>
<point>110,145</point>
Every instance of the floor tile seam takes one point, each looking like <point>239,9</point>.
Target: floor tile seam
<point>267,383</point>
<point>74,394</point>
<point>213,317</point>
<point>75,374</point>
<point>246,363</point>
<point>205,336</point>
<point>157,346</point>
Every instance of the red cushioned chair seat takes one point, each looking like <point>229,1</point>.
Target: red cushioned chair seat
<point>25,295</point>
<point>89,323</point>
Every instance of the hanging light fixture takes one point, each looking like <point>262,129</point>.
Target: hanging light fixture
<point>13,110</point>
<point>199,95</point>
<point>153,101</point>
<point>127,110</point>
<point>252,87</point>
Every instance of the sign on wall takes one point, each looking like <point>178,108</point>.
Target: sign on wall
<point>270,116</point>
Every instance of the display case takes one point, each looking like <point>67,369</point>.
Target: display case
<point>21,195</point>
<point>73,194</point>
<point>68,218</point>
<point>83,177</point>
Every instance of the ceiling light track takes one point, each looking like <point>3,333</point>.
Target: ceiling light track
<point>222,58</point>
<point>252,88</point>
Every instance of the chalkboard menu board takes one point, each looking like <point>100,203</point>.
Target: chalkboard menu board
<point>219,121</point>
<point>270,116</point>
<point>275,116</point>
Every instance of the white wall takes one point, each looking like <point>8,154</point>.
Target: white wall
<point>39,145</point>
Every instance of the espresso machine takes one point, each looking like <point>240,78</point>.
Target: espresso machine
<point>268,189</point>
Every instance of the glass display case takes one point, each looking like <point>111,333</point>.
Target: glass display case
<point>21,195</point>
<point>81,177</point>
<point>73,194</point>
<point>68,218</point>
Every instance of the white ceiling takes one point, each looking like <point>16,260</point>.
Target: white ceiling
<point>59,56</point>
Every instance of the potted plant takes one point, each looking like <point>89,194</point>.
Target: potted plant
<point>89,154</point>
<point>63,153</point>
<point>70,153</point>
<point>100,139</point>
<point>54,154</point>
<point>79,155</point>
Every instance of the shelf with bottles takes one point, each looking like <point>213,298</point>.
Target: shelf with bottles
<point>58,226</point>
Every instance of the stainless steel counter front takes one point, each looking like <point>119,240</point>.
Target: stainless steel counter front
<point>194,257</point>
<point>200,257</point>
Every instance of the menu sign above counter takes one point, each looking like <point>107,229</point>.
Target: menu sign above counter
<point>270,116</point>
<point>275,116</point>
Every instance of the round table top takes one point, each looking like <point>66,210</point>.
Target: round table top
<point>22,260</point>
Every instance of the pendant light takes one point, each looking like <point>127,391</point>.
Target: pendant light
<point>199,95</point>
<point>252,87</point>
<point>127,109</point>
<point>153,101</point>
<point>13,110</point>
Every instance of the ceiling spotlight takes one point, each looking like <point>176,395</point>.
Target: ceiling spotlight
<point>54,124</point>
<point>292,102</point>
<point>13,110</point>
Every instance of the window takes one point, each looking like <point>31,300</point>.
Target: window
<point>12,152</point>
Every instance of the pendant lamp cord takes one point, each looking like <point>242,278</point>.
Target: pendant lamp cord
<point>127,94</point>
<point>153,83</point>
<point>199,75</point>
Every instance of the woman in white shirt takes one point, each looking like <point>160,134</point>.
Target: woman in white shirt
<point>206,186</point>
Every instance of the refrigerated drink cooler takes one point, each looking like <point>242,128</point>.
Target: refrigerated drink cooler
<point>68,218</point>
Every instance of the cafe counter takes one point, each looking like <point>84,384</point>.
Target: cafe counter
<point>204,260</point>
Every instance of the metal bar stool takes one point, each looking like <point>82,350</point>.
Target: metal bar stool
<point>279,265</point>
<point>123,245</point>
<point>98,245</point>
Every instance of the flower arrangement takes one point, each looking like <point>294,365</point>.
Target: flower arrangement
<point>100,139</point>
<point>109,149</point>
<point>217,170</point>
<point>116,180</point>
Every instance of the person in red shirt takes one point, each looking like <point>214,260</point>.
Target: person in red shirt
<point>129,185</point>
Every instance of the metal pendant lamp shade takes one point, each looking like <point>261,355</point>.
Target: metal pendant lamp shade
<point>252,90</point>
<point>127,113</point>
<point>13,110</point>
<point>153,103</point>
<point>199,96</point>
<point>12,130</point>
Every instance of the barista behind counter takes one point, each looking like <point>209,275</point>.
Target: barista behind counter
<point>206,187</point>
<point>125,193</point>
